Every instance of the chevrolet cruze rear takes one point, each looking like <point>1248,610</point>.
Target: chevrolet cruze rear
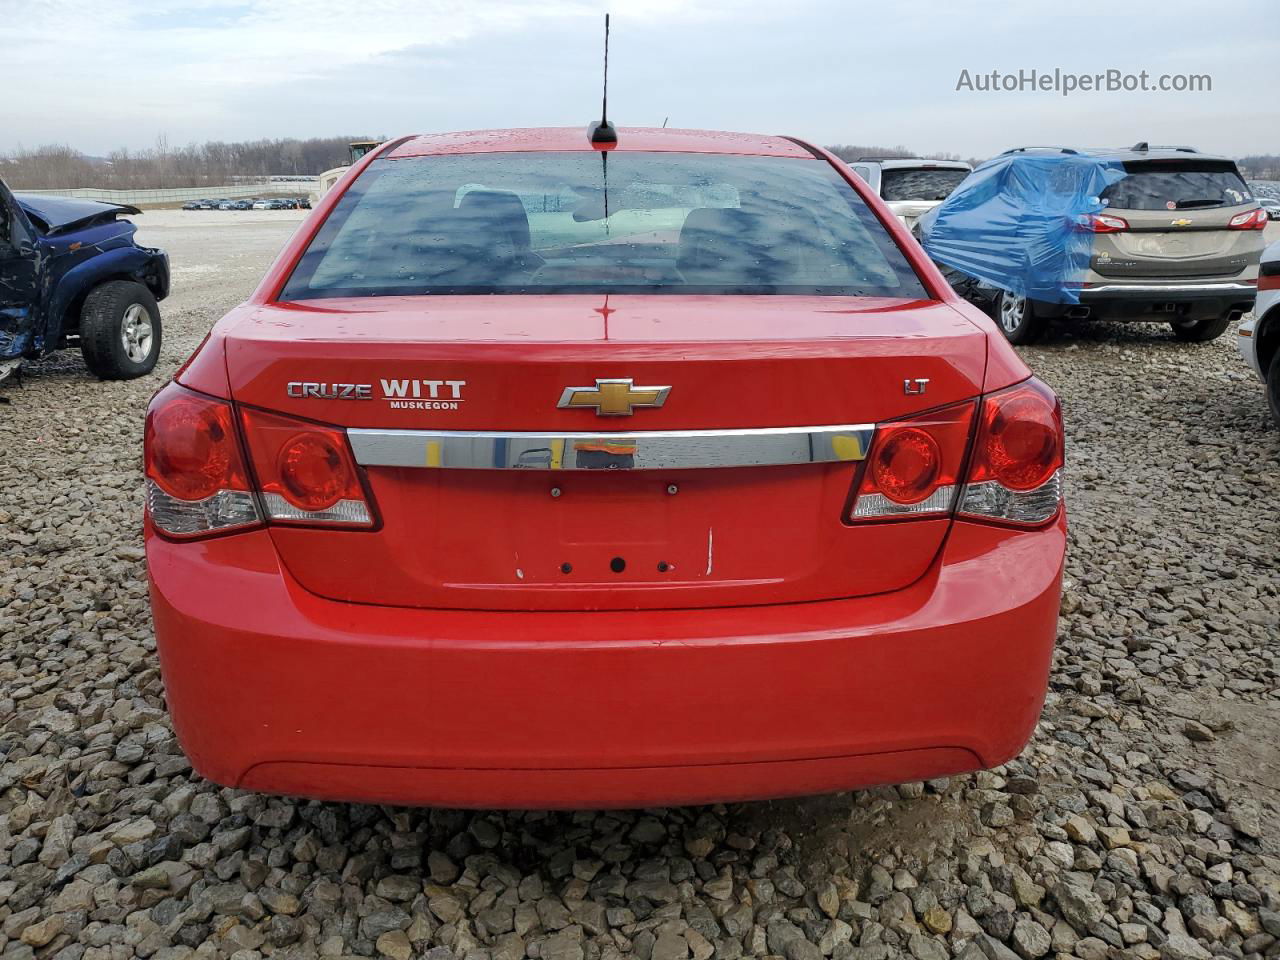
<point>540,474</point>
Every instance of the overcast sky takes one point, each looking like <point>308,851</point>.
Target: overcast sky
<point>105,75</point>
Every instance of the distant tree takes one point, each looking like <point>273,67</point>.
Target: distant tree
<point>55,166</point>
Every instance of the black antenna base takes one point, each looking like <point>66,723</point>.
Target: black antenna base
<point>601,131</point>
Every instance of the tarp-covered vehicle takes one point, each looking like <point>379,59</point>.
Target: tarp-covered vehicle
<point>71,274</point>
<point>1148,233</point>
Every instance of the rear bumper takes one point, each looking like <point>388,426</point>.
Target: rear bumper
<point>272,688</point>
<point>1209,290</point>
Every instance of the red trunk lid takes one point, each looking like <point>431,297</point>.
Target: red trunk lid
<point>546,539</point>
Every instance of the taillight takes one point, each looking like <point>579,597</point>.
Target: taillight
<point>913,468</point>
<point>1249,220</point>
<point>1101,223</point>
<point>917,467</point>
<point>196,477</point>
<point>1015,473</point>
<point>305,471</point>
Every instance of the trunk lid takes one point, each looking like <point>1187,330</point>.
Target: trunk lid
<point>547,538</point>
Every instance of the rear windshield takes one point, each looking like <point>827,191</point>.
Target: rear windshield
<point>1177,186</point>
<point>916,184</point>
<point>601,222</point>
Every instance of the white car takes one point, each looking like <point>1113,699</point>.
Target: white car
<point>911,186</point>
<point>1259,339</point>
<point>262,205</point>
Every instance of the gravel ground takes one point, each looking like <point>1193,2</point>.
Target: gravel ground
<point>1142,821</point>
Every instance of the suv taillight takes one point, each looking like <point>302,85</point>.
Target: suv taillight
<point>305,471</point>
<point>1249,220</point>
<point>196,477</point>
<point>1101,223</point>
<point>198,481</point>
<point>917,468</point>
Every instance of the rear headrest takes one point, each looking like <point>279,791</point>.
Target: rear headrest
<point>727,244</point>
<point>501,212</point>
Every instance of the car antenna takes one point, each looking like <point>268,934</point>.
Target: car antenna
<point>603,131</point>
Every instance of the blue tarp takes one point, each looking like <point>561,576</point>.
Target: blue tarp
<point>1014,223</point>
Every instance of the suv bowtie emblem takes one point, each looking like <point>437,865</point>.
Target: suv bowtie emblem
<point>613,398</point>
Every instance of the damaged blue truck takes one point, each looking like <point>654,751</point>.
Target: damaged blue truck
<point>72,275</point>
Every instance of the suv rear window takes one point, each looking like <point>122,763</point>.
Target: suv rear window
<point>1177,185</point>
<point>601,222</point>
<point>908,183</point>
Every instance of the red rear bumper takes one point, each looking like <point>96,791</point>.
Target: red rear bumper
<point>273,688</point>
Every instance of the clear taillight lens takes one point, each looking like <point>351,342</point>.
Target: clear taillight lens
<point>196,478</point>
<point>914,466</point>
<point>305,471</point>
<point>1015,474</point>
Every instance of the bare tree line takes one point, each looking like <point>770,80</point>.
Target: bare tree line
<point>212,163</point>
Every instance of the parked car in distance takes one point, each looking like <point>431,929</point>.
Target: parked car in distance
<point>226,204</point>
<point>620,380</point>
<point>304,203</point>
<point>1271,206</point>
<point>193,205</point>
<point>72,274</point>
<point>242,205</point>
<point>263,204</point>
<point>1259,333</point>
<point>911,186</point>
<point>1170,235</point>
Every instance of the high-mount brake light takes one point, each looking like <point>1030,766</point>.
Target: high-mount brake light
<point>1249,220</point>
<point>196,478</point>
<point>1015,474</point>
<point>305,471</point>
<point>916,467</point>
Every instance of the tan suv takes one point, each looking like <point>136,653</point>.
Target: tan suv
<point>1178,240</point>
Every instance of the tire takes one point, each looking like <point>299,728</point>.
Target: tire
<point>1273,387</point>
<point>120,331</point>
<point>1016,317</point>
<point>1201,331</point>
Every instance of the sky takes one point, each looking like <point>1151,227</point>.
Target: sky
<point>105,75</point>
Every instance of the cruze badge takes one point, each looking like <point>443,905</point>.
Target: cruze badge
<point>613,398</point>
<point>414,394</point>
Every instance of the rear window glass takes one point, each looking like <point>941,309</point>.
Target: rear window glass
<point>601,222</point>
<point>1177,186</point>
<point>917,184</point>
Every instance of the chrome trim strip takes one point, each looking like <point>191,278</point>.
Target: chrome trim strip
<point>652,450</point>
<point>1224,287</point>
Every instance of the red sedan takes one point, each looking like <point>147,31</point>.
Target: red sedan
<point>541,472</point>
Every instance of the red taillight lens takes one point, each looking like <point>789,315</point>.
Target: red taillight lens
<point>313,472</point>
<point>305,471</point>
<point>1101,223</point>
<point>1249,220</point>
<point>196,478</point>
<point>1015,473</point>
<point>906,465</point>
<point>914,466</point>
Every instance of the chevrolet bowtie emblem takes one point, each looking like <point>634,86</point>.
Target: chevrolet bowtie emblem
<point>613,398</point>
<point>1181,222</point>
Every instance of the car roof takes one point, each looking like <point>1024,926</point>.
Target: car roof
<point>1123,154</point>
<point>565,139</point>
<point>898,163</point>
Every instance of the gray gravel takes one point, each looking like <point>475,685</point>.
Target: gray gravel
<point>1141,822</point>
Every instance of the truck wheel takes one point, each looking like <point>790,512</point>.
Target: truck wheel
<point>1017,318</point>
<point>1200,331</point>
<point>120,330</point>
<point>1273,387</point>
